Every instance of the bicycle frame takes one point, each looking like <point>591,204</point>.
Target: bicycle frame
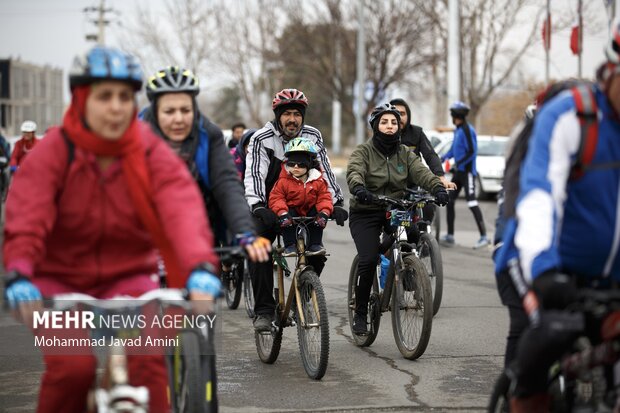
<point>284,305</point>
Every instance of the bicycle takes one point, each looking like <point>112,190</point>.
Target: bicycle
<point>236,278</point>
<point>306,300</point>
<point>191,363</point>
<point>586,378</point>
<point>427,246</point>
<point>407,291</point>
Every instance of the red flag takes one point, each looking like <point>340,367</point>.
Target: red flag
<point>546,32</point>
<point>575,44</point>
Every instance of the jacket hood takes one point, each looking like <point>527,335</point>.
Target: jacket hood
<point>401,102</point>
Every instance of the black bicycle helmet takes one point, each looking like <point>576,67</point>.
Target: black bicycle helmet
<point>379,111</point>
<point>172,79</point>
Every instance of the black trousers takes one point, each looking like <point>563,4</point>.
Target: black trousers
<point>467,181</point>
<point>262,273</point>
<point>315,233</point>
<point>517,316</point>
<point>366,228</point>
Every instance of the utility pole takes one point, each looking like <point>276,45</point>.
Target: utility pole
<point>100,21</point>
<point>580,39</point>
<point>454,52</point>
<point>361,75</point>
<point>547,40</point>
<point>336,106</point>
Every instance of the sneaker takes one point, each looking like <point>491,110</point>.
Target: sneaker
<point>359,325</point>
<point>289,251</point>
<point>482,242</point>
<point>447,240</point>
<point>315,249</point>
<point>262,322</point>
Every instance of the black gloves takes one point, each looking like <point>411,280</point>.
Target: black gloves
<point>265,214</point>
<point>555,290</point>
<point>321,219</point>
<point>441,196</point>
<point>285,220</point>
<point>340,214</point>
<point>363,195</point>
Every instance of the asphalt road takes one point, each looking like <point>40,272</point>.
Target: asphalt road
<point>456,373</point>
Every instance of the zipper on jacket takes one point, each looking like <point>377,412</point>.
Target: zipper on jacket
<point>387,160</point>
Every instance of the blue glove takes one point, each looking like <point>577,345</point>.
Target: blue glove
<point>205,282</point>
<point>13,168</point>
<point>21,290</point>
<point>285,220</point>
<point>246,238</point>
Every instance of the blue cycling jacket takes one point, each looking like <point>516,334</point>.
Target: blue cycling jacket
<point>568,225</point>
<point>464,150</point>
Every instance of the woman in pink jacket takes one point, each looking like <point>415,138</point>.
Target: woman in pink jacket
<point>89,212</point>
<point>301,191</point>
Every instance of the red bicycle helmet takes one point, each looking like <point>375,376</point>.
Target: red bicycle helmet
<point>289,97</point>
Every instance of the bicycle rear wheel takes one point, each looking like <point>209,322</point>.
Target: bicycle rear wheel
<point>188,389</point>
<point>436,223</point>
<point>232,284</point>
<point>248,292</point>
<point>412,308</point>
<point>313,331</point>
<point>374,310</point>
<point>430,255</point>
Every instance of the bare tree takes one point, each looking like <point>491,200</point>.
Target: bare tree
<point>182,36</point>
<point>247,34</point>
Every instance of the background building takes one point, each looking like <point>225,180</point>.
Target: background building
<point>29,92</point>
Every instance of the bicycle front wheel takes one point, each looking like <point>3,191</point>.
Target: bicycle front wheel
<point>248,292</point>
<point>499,402</point>
<point>188,389</point>
<point>312,325</point>
<point>430,255</point>
<point>374,310</point>
<point>412,308</point>
<point>233,286</point>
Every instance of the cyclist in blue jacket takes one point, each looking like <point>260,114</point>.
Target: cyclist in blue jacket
<point>464,151</point>
<point>544,243</point>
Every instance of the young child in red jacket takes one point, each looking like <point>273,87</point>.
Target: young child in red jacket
<point>301,191</point>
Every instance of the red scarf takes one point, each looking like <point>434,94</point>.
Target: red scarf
<point>133,161</point>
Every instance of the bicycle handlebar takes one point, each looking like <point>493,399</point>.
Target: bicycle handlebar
<point>69,300</point>
<point>231,252</point>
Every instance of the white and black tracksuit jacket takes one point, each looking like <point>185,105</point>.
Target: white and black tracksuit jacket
<point>264,161</point>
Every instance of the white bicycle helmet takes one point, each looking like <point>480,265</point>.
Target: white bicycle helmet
<point>29,126</point>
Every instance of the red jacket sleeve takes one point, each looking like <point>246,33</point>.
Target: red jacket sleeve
<point>277,197</point>
<point>180,206</point>
<point>31,204</point>
<point>17,153</point>
<point>324,201</point>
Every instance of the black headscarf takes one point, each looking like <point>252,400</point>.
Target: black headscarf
<point>385,143</point>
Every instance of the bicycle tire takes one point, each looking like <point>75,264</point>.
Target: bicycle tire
<point>499,401</point>
<point>436,223</point>
<point>268,345</point>
<point>373,308</point>
<point>414,299</point>
<point>233,286</point>
<point>316,324</point>
<point>430,255</point>
<point>189,391</point>
<point>248,292</point>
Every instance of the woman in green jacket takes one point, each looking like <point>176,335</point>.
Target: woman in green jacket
<point>380,166</point>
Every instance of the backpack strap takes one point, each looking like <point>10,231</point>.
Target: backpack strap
<point>585,102</point>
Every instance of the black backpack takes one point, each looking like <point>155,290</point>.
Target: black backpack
<point>583,93</point>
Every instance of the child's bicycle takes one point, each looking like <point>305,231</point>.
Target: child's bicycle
<point>191,364</point>
<point>407,292</point>
<point>304,306</point>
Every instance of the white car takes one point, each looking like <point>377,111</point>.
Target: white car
<point>490,163</point>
